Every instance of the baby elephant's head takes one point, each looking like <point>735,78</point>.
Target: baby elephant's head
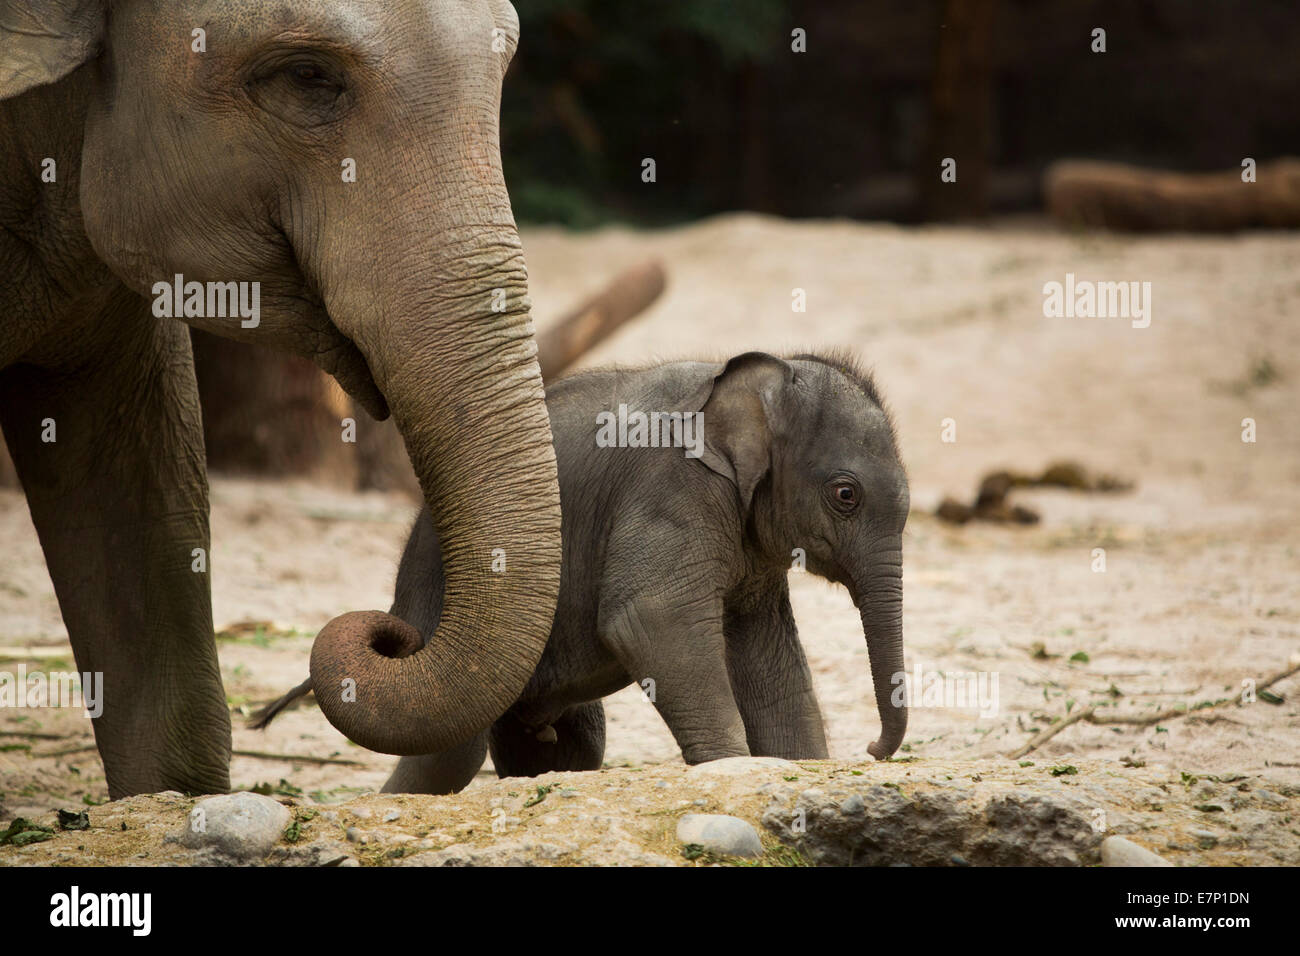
<point>813,455</point>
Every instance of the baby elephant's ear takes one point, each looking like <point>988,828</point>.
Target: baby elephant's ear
<point>737,426</point>
<point>44,40</point>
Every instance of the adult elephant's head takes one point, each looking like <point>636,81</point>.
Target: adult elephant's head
<point>345,156</point>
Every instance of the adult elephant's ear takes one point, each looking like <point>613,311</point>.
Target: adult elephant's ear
<point>737,407</point>
<point>42,41</point>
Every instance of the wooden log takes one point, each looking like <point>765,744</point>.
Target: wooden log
<point>1131,199</point>
<point>579,330</point>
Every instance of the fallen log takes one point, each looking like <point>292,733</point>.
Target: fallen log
<point>1132,199</point>
<point>579,330</point>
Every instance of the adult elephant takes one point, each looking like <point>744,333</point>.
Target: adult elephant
<point>146,139</point>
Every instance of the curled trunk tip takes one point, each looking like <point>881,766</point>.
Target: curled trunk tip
<point>344,658</point>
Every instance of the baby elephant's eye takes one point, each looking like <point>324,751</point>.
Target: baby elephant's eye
<point>844,495</point>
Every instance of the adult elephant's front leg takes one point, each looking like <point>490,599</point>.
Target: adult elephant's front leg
<point>770,676</point>
<point>119,498</point>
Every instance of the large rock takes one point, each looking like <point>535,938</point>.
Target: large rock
<point>1117,851</point>
<point>739,767</point>
<point>921,812</point>
<point>720,834</point>
<point>240,826</point>
<point>869,825</point>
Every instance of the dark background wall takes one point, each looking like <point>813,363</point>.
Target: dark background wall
<point>711,90</point>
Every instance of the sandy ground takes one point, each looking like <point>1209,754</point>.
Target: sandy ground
<point>1202,582</point>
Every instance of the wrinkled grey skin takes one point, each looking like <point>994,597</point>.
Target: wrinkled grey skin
<point>226,166</point>
<point>675,568</point>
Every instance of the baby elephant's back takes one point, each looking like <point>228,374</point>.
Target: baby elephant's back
<point>599,409</point>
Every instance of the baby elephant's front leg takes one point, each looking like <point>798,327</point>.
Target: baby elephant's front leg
<point>771,679</point>
<point>675,651</point>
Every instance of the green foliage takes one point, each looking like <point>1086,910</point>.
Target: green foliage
<point>586,100</point>
<point>23,831</point>
<point>283,789</point>
<point>542,791</point>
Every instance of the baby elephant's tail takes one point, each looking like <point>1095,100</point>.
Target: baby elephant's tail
<point>261,719</point>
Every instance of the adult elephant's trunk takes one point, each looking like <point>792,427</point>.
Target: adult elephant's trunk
<point>442,318</point>
<point>878,594</point>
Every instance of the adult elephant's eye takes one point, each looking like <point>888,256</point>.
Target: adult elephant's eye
<point>309,75</point>
<point>305,90</point>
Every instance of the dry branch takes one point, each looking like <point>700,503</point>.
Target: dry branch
<point>296,758</point>
<point>1043,736</point>
<point>1142,720</point>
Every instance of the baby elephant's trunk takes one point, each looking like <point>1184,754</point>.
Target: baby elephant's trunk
<point>879,598</point>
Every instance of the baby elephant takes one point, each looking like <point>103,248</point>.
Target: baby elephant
<point>688,490</point>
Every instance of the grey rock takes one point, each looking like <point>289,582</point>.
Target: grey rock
<point>1117,851</point>
<point>739,766</point>
<point>239,826</point>
<point>391,815</point>
<point>719,833</point>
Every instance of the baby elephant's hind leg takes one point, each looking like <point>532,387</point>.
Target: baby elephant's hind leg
<point>578,744</point>
<point>446,772</point>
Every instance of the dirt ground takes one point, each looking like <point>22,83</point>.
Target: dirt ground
<point>1201,588</point>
